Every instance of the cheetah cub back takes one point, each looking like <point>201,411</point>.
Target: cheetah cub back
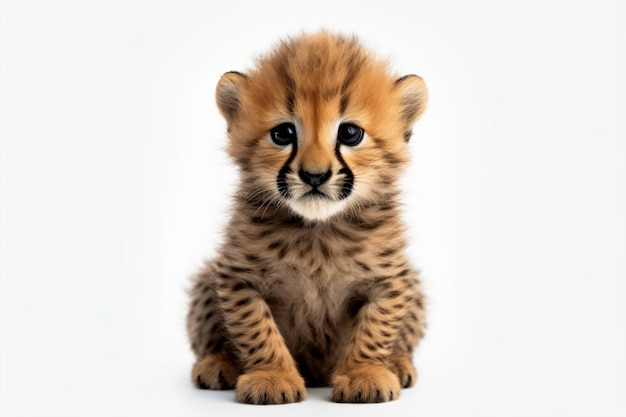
<point>311,286</point>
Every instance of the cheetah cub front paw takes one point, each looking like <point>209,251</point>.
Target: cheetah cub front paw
<point>270,387</point>
<point>214,372</point>
<point>403,367</point>
<point>366,384</point>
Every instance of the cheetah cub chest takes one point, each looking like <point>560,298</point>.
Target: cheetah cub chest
<point>311,286</point>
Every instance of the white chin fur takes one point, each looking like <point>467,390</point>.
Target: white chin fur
<point>316,209</point>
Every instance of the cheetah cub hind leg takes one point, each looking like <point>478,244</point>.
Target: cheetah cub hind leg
<point>214,371</point>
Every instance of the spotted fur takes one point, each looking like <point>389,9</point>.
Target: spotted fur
<point>311,286</point>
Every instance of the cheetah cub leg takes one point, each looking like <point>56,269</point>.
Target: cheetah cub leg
<point>400,362</point>
<point>269,374</point>
<point>369,370</point>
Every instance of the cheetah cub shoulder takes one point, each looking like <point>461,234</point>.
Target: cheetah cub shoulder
<point>311,286</point>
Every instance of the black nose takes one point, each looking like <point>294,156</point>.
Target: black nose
<point>314,179</point>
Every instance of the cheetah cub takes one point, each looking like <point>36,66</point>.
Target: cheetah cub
<point>311,285</point>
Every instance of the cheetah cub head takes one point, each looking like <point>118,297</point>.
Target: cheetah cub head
<point>319,127</point>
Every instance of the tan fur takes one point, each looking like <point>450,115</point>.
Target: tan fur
<point>302,293</point>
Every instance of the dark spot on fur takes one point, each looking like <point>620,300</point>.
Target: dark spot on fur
<point>384,285</point>
<point>324,249</point>
<point>252,258</point>
<point>363,266</point>
<point>275,244</point>
<point>343,104</point>
<point>364,355</point>
<point>239,269</point>
<point>350,252</point>
<point>255,323</point>
<point>404,272</point>
<point>261,220</point>
<point>243,301</point>
<point>388,251</point>
<point>384,311</point>
<point>391,159</point>
<point>381,278</point>
<point>371,225</point>
<point>370,346</point>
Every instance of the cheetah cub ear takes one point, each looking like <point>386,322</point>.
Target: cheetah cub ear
<point>412,95</point>
<point>227,94</point>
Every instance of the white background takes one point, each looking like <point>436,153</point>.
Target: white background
<point>114,187</point>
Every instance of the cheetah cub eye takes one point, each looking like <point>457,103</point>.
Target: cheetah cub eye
<point>284,134</point>
<point>349,134</point>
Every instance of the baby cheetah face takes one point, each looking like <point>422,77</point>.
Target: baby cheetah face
<point>315,181</point>
<point>320,126</point>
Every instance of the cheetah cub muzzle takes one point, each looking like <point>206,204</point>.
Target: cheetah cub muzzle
<point>311,286</point>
